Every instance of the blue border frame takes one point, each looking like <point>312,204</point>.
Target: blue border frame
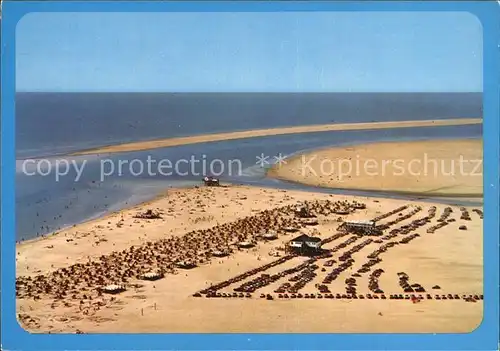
<point>485,337</point>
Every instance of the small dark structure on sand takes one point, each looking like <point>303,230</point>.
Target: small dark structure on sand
<point>113,289</point>
<point>185,264</point>
<point>310,221</point>
<point>220,253</point>
<point>246,244</point>
<point>291,229</point>
<point>211,181</point>
<point>270,236</point>
<point>149,214</point>
<point>303,212</point>
<point>152,276</point>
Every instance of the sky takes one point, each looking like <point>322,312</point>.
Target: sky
<point>249,52</point>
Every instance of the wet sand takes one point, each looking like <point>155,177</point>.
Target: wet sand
<point>155,144</point>
<point>430,167</point>
<point>199,219</point>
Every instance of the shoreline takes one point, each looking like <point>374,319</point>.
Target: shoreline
<point>384,194</point>
<point>369,193</point>
<point>197,139</point>
<point>91,219</point>
<point>154,198</point>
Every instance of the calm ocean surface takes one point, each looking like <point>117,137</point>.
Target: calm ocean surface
<point>51,124</point>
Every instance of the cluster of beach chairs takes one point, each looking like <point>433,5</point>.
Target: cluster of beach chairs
<point>214,294</point>
<point>440,225</point>
<point>330,277</point>
<point>283,288</point>
<point>367,266</point>
<point>334,237</point>
<point>356,248</point>
<point>300,280</point>
<point>382,248</point>
<point>392,234</point>
<point>344,244</point>
<point>409,238</point>
<point>373,284</point>
<point>390,213</point>
<point>246,275</point>
<point>328,207</point>
<point>323,289</point>
<point>303,278</point>
<point>267,279</point>
<point>400,218</point>
<point>465,214</point>
<point>446,213</point>
<point>346,296</point>
<point>479,212</point>
<point>414,225</point>
<point>329,263</point>
<point>307,271</point>
<point>406,286</point>
<point>350,286</point>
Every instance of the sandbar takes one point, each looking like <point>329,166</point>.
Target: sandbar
<point>448,168</point>
<point>161,143</point>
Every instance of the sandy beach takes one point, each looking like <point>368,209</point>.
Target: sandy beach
<point>60,277</point>
<point>161,143</point>
<point>427,167</point>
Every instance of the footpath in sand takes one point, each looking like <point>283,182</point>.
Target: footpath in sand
<point>58,277</point>
<point>427,167</point>
<point>161,143</point>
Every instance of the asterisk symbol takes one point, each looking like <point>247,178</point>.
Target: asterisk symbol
<point>262,160</point>
<point>280,160</point>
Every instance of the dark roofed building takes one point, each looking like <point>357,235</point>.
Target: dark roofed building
<point>305,245</point>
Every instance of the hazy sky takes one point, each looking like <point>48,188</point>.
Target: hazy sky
<point>249,52</point>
